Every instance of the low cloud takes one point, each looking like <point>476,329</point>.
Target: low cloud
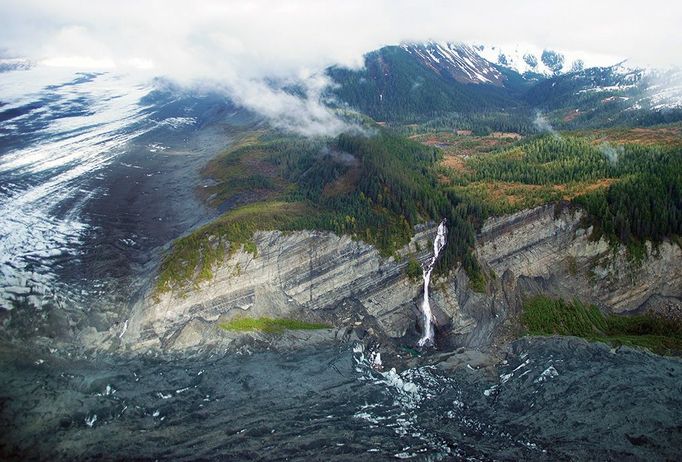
<point>341,157</point>
<point>543,125</point>
<point>611,153</point>
<point>303,112</point>
<point>665,89</point>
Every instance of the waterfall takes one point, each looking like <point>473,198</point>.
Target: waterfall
<point>438,244</point>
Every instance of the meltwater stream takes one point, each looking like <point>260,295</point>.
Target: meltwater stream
<point>550,399</point>
<point>438,244</point>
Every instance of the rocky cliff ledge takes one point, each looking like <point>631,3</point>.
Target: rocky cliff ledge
<point>550,253</point>
<point>319,276</point>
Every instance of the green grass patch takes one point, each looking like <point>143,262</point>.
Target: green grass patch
<point>270,325</point>
<point>547,316</point>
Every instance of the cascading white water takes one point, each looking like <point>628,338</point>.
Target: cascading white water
<point>438,244</point>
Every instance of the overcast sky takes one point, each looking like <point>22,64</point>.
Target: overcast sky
<point>236,41</point>
<point>192,38</point>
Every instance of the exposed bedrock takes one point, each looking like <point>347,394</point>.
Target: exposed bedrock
<point>319,276</point>
<point>554,255</point>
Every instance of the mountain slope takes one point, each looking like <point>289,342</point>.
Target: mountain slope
<point>603,96</point>
<point>401,84</point>
<point>458,61</point>
<point>416,82</point>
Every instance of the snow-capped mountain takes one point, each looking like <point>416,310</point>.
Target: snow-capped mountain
<point>632,88</point>
<point>476,63</point>
<point>460,61</point>
<point>414,81</point>
<point>531,60</point>
<point>14,64</point>
<point>589,73</point>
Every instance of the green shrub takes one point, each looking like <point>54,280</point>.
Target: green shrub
<point>548,316</point>
<point>270,325</point>
<point>413,269</point>
<point>477,281</point>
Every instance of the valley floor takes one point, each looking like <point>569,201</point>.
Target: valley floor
<point>546,399</point>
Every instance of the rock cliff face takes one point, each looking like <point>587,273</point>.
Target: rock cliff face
<point>552,254</point>
<point>314,275</point>
<point>323,277</point>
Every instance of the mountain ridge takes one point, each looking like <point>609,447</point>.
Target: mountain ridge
<point>422,80</point>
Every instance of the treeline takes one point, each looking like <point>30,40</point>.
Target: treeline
<point>379,187</point>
